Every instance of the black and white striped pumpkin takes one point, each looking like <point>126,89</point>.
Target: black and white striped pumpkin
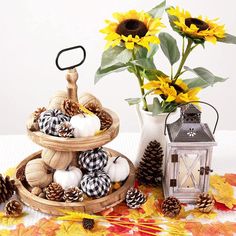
<point>95,184</point>
<point>49,120</point>
<point>93,160</point>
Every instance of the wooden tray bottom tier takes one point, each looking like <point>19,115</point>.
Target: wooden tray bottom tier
<point>88,206</point>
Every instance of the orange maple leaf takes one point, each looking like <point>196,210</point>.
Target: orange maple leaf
<point>47,227</point>
<point>231,179</point>
<point>21,230</point>
<point>215,229</point>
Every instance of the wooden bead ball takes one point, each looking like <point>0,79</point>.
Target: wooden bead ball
<point>89,101</point>
<point>57,99</point>
<point>57,160</point>
<point>37,173</point>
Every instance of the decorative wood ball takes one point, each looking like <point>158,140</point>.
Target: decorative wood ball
<point>37,173</point>
<point>49,120</point>
<point>88,100</point>
<point>57,99</point>
<point>96,184</point>
<point>57,160</point>
<point>117,168</point>
<point>68,178</point>
<point>85,125</point>
<point>93,160</point>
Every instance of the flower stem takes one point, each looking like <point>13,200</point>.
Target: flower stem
<point>141,81</point>
<point>185,55</point>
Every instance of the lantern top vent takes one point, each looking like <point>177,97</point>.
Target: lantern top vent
<point>188,128</point>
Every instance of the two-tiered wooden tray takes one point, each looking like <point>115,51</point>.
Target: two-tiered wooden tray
<point>75,145</point>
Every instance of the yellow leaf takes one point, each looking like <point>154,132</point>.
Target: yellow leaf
<point>149,206</point>
<point>5,232</point>
<point>200,215</point>
<point>176,227</point>
<point>70,228</point>
<point>8,221</point>
<point>76,216</point>
<point>10,172</point>
<point>223,191</point>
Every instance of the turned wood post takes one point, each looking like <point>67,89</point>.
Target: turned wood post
<point>72,77</point>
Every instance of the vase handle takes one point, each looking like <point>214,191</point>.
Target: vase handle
<point>181,105</point>
<point>140,118</point>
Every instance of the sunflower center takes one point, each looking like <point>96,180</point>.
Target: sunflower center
<point>133,27</point>
<point>202,25</point>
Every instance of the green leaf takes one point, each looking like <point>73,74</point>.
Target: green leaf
<point>153,74</point>
<point>133,101</point>
<point>199,82</point>
<point>203,73</point>
<point>169,47</point>
<point>144,63</point>
<point>142,52</point>
<point>228,39</point>
<point>102,72</point>
<point>158,11</point>
<point>152,51</point>
<point>156,108</point>
<point>115,55</point>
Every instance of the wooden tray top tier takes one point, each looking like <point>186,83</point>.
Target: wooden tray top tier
<point>77,144</point>
<point>88,206</point>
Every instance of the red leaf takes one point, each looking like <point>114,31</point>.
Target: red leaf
<point>231,179</point>
<point>222,207</point>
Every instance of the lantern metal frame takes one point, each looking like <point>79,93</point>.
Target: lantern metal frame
<point>182,152</point>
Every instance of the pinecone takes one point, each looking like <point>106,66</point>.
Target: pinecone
<point>105,119</point>
<point>150,171</point>
<point>88,223</point>
<point>171,207</point>
<point>38,112</point>
<point>20,173</point>
<point>94,108</point>
<point>13,208</point>
<point>54,192</point>
<point>135,198</point>
<point>7,188</point>
<point>73,195</point>
<point>205,202</point>
<point>70,108</point>
<point>65,130</point>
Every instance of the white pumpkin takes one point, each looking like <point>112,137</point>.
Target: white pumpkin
<point>117,168</point>
<point>85,125</point>
<point>68,178</point>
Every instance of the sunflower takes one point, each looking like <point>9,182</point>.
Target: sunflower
<point>195,28</point>
<point>170,91</point>
<point>132,28</point>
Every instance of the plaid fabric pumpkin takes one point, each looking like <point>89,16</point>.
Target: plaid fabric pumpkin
<point>93,160</point>
<point>95,184</point>
<point>49,120</point>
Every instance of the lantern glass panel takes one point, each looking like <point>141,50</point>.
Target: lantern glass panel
<point>188,171</point>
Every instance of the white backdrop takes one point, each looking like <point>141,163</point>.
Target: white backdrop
<point>32,32</point>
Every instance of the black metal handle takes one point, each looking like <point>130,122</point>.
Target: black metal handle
<point>184,104</point>
<point>69,49</point>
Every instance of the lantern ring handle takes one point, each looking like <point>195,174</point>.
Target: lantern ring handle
<point>69,49</point>
<point>184,104</point>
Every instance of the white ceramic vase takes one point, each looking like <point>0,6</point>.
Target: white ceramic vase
<point>152,128</point>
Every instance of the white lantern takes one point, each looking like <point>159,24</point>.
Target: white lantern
<point>188,155</point>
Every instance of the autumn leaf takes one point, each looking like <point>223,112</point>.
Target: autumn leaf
<point>224,192</point>
<point>200,215</point>
<point>10,172</point>
<point>154,191</point>
<point>175,227</point>
<point>21,230</point>
<point>223,207</point>
<point>5,232</point>
<point>8,221</point>
<point>214,229</point>
<point>231,179</point>
<point>70,228</point>
<point>47,227</point>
